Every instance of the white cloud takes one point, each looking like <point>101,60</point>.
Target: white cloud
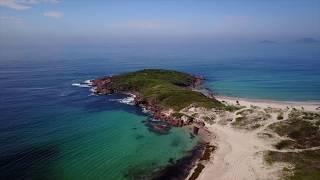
<point>23,4</point>
<point>13,5</point>
<point>53,14</point>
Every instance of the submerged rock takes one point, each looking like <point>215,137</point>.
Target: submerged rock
<point>158,127</point>
<point>195,130</point>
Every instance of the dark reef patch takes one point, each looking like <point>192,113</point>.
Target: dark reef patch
<point>197,172</point>
<point>139,136</point>
<point>180,169</point>
<point>158,127</point>
<point>208,151</point>
<point>141,172</point>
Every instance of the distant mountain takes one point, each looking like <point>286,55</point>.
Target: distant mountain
<point>307,40</point>
<point>267,42</point>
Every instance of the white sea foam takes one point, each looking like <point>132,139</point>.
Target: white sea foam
<point>144,110</point>
<point>89,82</point>
<point>80,85</point>
<point>154,120</point>
<point>127,100</point>
<point>84,84</point>
<point>93,89</point>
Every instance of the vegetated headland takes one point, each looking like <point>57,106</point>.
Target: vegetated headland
<point>239,138</point>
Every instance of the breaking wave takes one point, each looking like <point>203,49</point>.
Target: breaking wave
<point>80,85</point>
<point>127,100</point>
<point>86,84</point>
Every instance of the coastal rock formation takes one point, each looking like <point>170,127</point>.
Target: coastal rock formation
<point>162,92</point>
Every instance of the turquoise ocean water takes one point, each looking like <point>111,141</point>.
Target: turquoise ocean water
<point>50,129</point>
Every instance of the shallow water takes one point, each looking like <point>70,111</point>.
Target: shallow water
<point>86,139</point>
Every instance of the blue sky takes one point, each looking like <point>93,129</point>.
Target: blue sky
<point>90,21</point>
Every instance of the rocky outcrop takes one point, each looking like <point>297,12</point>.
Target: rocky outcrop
<point>105,86</point>
<point>197,82</point>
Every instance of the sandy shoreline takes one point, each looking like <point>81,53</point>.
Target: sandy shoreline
<point>239,153</point>
<point>307,105</point>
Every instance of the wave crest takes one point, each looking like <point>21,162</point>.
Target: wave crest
<point>86,84</point>
<point>127,100</point>
<point>80,85</point>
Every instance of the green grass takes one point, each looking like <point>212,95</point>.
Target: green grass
<point>232,108</point>
<point>177,115</point>
<point>166,88</point>
<point>285,144</point>
<point>304,132</point>
<point>306,163</point>
<point>280,116</point>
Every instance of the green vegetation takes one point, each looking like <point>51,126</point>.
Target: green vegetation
<point>194,114</point>
<point>304,115</point>
<point>177,115</point>
<point>302,130</point>
<point>310,115</point>
<point>165,88</point>
<point>285,144</point>
<point>233,108</point>
<point>273,110</point>
<point>209,120</point>
<point>180,115</point>
<point>250,119</point>
<point>246,111</point>
<point>306,163</point>
<point>246,123</point>
<point>280,116</point>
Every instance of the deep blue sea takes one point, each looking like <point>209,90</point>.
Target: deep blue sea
<point>50,129</point>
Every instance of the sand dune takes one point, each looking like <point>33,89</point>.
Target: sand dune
<point>239,154</point>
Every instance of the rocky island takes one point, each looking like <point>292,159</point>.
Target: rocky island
<point>250,139</point>
<point>162,92</point>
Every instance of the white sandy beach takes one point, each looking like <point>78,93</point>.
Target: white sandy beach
<point>239,153</point>
<point>308,105</point>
